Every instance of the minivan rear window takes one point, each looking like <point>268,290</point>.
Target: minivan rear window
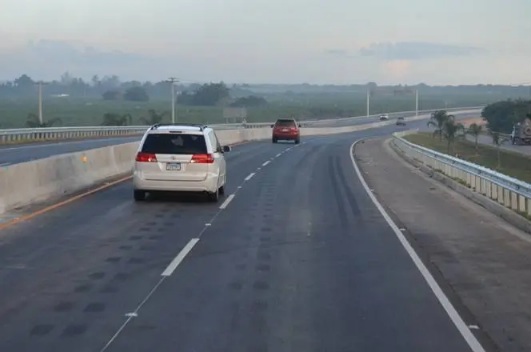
<point>174,144</point>
<point>285,123</point>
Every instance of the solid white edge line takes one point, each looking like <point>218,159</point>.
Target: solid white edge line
<point>459,323</point>
<point>226,202</point>
<point>250,176</point>
<point>265,164</point>
<point>180,257</point>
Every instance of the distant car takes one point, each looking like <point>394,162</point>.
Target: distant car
<point>180,157</point>
<point>384,117</point>
<point>287,130</point>
<point>400,121</point>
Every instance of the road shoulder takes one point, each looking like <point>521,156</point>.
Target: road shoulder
<point>483,260</point>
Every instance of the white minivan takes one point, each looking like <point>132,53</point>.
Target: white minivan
<point>182,158</point>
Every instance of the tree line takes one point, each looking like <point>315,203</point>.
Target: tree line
<point>503,115</point>
<point>110,88</point>
<point>500,117</point>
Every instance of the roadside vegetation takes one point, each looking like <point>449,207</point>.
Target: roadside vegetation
<point>72,101</point>
<point>448,137</point>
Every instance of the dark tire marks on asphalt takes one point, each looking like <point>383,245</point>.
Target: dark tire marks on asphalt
<point>112,262</point>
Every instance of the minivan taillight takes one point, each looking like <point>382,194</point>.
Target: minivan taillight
<point>146,158</point>
<point>202,158</point>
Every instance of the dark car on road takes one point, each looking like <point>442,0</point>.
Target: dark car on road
<point>287,130</point>
<point>400,121</point>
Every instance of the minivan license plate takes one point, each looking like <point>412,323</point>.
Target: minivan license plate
<point>173,166</point>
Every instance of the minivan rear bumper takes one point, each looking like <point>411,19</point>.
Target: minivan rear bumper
<point>210,184</point>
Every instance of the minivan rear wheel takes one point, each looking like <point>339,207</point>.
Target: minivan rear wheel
<point>139,195</point>
<point>214,196</point>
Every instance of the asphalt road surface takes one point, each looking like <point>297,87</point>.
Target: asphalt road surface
<point>487,140</point>
<point>14,154</point>
<point>295,257</point>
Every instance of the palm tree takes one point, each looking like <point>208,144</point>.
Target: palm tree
<point>475,130</point>
<point>451,130</point>
<point>437,120</point>
<point>154,117</point>
<point>33,121</point>
<point>498,139</point>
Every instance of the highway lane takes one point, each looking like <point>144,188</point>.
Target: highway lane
<point>392,117</point>
<point>487,140</point>
<point>67,275</point>
<point>299,260</point>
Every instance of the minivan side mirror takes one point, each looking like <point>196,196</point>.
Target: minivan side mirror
<point>300,124</point>
<point>226,148</point>
<point>272,126</point>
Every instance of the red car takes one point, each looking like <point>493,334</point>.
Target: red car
<point>287,130</point>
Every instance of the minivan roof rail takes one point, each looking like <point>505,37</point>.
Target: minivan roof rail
<point>200,125</point>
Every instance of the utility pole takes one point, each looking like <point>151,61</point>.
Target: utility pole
<point>172,81</point>
<point>416,102</point>
<point>368,101</point>
<point>41,120</point>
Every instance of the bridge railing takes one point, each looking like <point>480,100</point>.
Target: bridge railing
<point>508,191</point>
<point>78,132</point>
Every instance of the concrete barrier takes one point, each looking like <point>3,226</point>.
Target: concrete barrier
<point>35,181</point>
<point>40,180</point>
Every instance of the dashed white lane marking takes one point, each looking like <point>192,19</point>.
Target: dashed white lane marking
<point>14,267</point>
<point>132,315</point>
<point>173,265</point>
<point>250,176</point>
<point>226,202</point>
<point>279,154</point>
<point>180,257</point>
<point>459,323</point>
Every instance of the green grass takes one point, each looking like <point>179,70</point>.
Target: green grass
<point>512,163</point>
<point>89,111</point>
<point>79,112</point>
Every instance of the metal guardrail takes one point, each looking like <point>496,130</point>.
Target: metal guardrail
<point>393,114</point>
<point>64,133</point>
<point>506,190</point>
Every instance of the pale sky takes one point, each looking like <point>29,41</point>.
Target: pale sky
<point>270,41</point>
